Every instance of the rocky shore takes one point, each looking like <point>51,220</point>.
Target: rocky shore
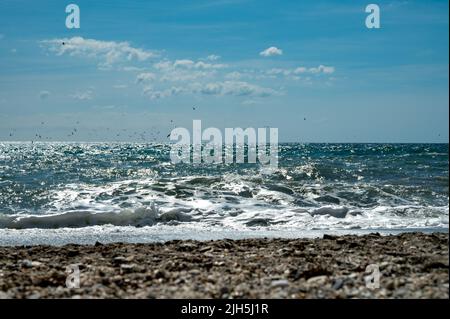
<point>411,265</point>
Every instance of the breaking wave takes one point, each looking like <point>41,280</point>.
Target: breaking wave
<point>317,187</point>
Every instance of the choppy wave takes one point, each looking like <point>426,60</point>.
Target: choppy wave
<point>138,218</point>
<point>317,187</point>
<point>327,217</point>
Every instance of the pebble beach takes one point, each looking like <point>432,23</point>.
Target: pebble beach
<point>411,265</point>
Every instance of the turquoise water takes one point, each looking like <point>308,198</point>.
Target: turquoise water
<point>317,187</point>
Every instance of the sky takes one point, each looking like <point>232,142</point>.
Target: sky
<point>134,70</point>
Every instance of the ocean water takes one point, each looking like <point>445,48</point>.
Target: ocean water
<point>57,193</point>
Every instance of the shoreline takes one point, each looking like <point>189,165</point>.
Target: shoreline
<point>165,233</point>
<point>411,265</point>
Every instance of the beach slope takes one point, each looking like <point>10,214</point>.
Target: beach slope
<point>411,265</point>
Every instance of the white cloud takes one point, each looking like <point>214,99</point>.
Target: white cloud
<point>233,75</point>
<point>163,65</point>
<point>108,52</point>
<point>44,94</point>
<point>2,36</point>
<point>328,70</point>
<point>185,70</point>
<point>153,94</point>
<point>212,89</point>
<point>166,65</point>
<point>183,63</point>
<point>213,57</point>
<point>321,69</point>
<point>272,51</point>
<point>165,78</point>
<point>82,96</point>
<point>324,69</point>
<point>237,88</point>
<point>203,65</point>
<point>144,77</point>
<point>220,88</point>
<point>279,72</point>
<point>300,70</point>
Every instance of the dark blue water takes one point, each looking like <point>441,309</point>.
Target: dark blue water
<point>316,187</point>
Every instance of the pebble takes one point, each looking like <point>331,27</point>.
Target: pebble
<point>317,281</point>
<point>279,283</point>
<point>338,283</point>
<point>127,268</point>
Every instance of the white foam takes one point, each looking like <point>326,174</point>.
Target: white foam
<point>138,218</point>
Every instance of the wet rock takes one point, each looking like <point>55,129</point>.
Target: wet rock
<point>338,283</point>
<point>26,263</point>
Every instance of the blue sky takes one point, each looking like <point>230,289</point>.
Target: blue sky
<point>136,69</point>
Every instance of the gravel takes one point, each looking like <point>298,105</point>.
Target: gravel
<point>411,265</point>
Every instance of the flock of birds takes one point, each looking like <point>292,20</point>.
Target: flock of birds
<point>144,136</point>
<point>151,135</point>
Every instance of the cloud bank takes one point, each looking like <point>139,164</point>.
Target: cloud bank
<point>160,77</point>
<point>272,51</point>
<point>108,52</point>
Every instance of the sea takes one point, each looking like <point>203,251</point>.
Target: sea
<point>58,193</point>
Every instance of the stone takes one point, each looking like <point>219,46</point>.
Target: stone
<point>338,283</point>
<point>317,281</point>
<point>279,283</point>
